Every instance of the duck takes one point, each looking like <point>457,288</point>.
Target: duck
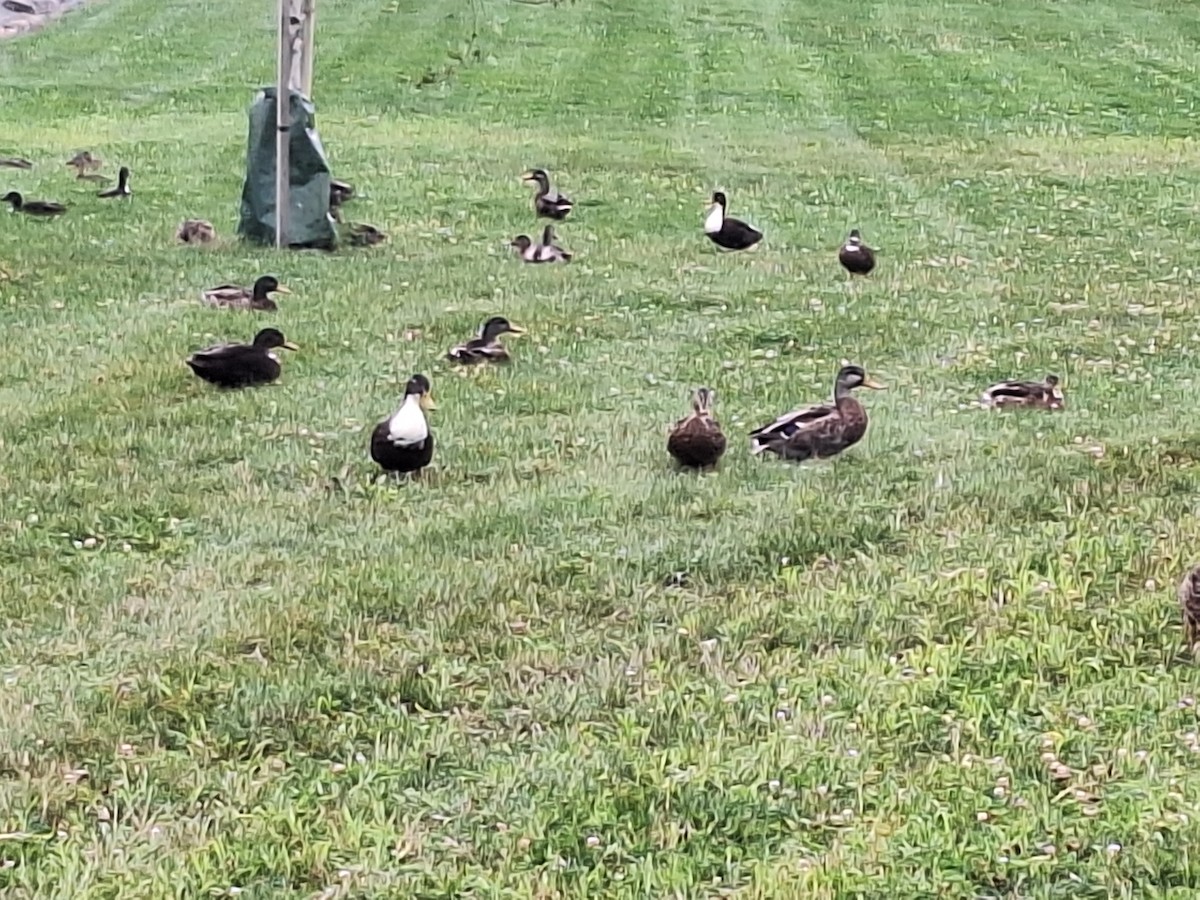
<point>122,189</point>
<point>195,231</point>
<point>486,347</point>
<point>233,296</point>
<point>361,234</point>
<point>726,232</point>
<point>855,256</point>
<point>403,442</point>
<point>1189,606</point>
<point>696,441</point>
<point>823,430</point>
<point>547,202</point>
<point>545,252</point>
<point>1033,394</point>
<point>33,207</point>
<point>15,162</point>
<point>241,365</point>
<point>83,161</point>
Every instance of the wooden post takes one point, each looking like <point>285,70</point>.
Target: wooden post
<point>283,121</point>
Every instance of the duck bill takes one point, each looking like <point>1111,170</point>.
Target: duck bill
<point>281,289</point>
<point>529,176</point>
<point>516,329</point>
<point>874,385</point>
<point>288,345</point>
<point>426,402</point>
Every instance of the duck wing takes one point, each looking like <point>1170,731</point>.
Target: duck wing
<point>787,425</point>
<point>227,295</point>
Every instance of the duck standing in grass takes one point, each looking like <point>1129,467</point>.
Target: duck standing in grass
<point>1030,394</point>
<point>1189,606</point>
<point>820,431</point>
<point>728,233</point>
<point>547,202</point>
<point>486,347</point>
<point>697,441</point>
<point>195,231</point>
<point>43,208</point>
<point>233,296</point>
<point>122,189</point>
<point>241,365</point>
<point>855,256</point>
<point>403,442</point>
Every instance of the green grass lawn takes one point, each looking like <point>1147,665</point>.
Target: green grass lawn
<point>948,664</point>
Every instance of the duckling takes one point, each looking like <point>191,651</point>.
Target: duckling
<point>45,208</point>
<point>725,232</point>
<point>547,202</point>
<point>15,162</point>
<point>122,189</point>
<point>1189,606</point>
<point>196,231</point>
<point>241,365</point>
<point>486,347</point>
<point>403,442</point>
<point>820,431</point>
<point>855,256</point>
<point>697,441</point>
<point>234,296</point>
<point>1035,394</point>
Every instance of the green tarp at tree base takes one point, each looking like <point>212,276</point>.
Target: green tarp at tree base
<point>308,222</point>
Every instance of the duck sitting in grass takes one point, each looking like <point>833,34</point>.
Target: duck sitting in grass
<point>545,252</point>
<point>486,347</point>
<point>122,189</point>
<point>403,442</point>
<point>361,234</point>
<point>15,162</point>
<point>726,232</point>
<point>241,365</point>
<point>547,202</point>
<point>697,441</point>
<point>43,208</point>
<point>233,296</point>
<point>855,256</point>
<point>1031,394</point>
<point>196,231</point>
<point>820,431</point>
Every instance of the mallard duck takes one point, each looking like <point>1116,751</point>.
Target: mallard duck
<point>547,202</point>
<point>545,252</point>
<point>403,442</point>
<point>486,347</point>
<point>1189,606</point>
<point>122,189</point>
<point>697,441</point>
<point>33,207</point>
<point>234,296</point>
<point>15,162</point>
<point>731,234</point>
<point>362,235</point>
<point>819,431</point>
<point>83,161</point>
<point>855,256</point>
<point>1038,394</point>
<point>196,231</point>
<point>241,365</point>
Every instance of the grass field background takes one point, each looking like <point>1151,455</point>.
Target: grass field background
<point>947,664</point>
